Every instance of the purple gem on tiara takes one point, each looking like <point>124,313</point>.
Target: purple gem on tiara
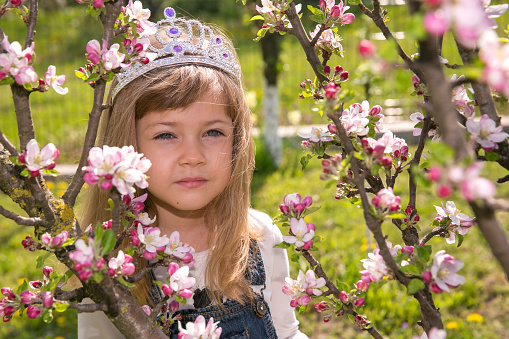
<point>173,31</point>
<point>177,48</point>
<point>218,41</point>
<point>225,55</point>
<point>169,12</point>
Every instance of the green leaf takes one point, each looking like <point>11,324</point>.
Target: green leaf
<point>111,203</point>
<point>282,245</point>
<point>342,286</point>
<point>108,241</point>
<point>460,240</point>
<point>93,77</point>
<point>98,277</point>
<point>414,286</point>
<point>52,172</point>
<point>22,287</point>
<point>491,156</point>
<point>305,160</point>
<point>410,269</point>
<point>41,259</point>
<point>61,307</point>
<point>260,34</point>
<point>318,18</point>
<point>125,283</point>
<point>28,86</point>
<point>257,17</point>
<point>314,10</point>
<point>295,257</point>
<point>110,76</point>
<point>80,75</point>
<point>396,215</point>
<point>422,253</point>
<point>25,173</point>
<point>6,81</point>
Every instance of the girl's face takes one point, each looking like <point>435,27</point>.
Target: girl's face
<point>191,154</point>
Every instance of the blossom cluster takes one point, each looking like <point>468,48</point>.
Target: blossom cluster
<point>301,234</point>
<point>385,151</point>
<point>317,90</point>
<point>86,259</point>
<point>119,167</point>
<point>453,220</point>
<point>386,200</point>
<point>294,205</point>
<point>200,329</point>
<point>357,119</point>
<point>16,63</point>
<point>468,181</point>
<point>35,300</point>
<point>418,118</point>
<point>36,159</point>
<point>303,288</point>
<point>442,276</point>
<point>179,282</point>
<point>272,12</point>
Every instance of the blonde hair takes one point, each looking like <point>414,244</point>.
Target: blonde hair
<point>227,215</point>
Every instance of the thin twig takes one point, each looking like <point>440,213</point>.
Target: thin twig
<point>317,36</point>
<point>435,232</point>
<point>42,201</point>
<point>88,308</point>
<point>32,21</point>
<point>24,221</point>
<point>74,295</point>
<point>8,145</point>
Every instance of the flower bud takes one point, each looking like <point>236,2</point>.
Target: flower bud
<point>149,255</point>
<point>343,296</point>
<point>294,303</point>
<point>299,208</point>
<point>323,5</point>
<point>8,311</point>
<point>408,249</point>
<point>409,209</point>
<point>166,289</point>
<point>284,209</point>
<point>146,309</point>
<point>47,299</point>
<point>36,284</point>
<point>322,305</point>
<point>33,312</point>
<point>344,76</point>
<point>434,174</point>
<point>467,223</point>
<point>27,297</point>
<point>362,286</point>
<point>107,224</point>
<point>21,158</point>
<point>385,161</point>
<point>85,274</point>
<point>444,190</point>
<point>307,201</point>
<point>426,276</point>
<point>335,11</point>
<point>46,239</point>
<point>307,245</point>
<point>135,240</point>
<point>111,272</point>
<point>332,128</point>
<point>8,293</point>
<point>78,266</point>
<point>174,306</point>
<point>375,201</point>
<point>99,264</point>
<point>359,302</point>
<point>326,69</point>
<point>434,287</point>
<point>106,185</point>
<point>366,277</point>
<point>338,70</point>
<point>186,293</point>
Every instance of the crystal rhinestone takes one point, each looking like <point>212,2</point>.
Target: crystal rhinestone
<point>218,41</point>
<point>225,55</point>
<point>174,31</point>
<point>169,12</point>
<point>177,48</point>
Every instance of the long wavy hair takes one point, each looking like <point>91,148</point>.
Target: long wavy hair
<point>227,215</point>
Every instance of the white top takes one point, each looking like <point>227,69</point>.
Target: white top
<point>97,326</point>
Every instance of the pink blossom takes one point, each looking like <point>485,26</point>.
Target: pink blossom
<point>297,290</point>
<point>444,271</point>
<point>47,299</point>
<point>435,22</point>
<point>112,58</point>
<point>267,7</point>
<point>362,286</point>
<point>27,297</point>
<point>200,329</point>
<point>385,198</point>
<point>366,48</point>
<point>299,233</point>
<point>426,276</point>
<point>313,284</point>
<point>26,74</point>
<point>177,249</point>
<point>343,296</point>
<point>94,51</point>
<point>150,236</point>
<point>180,282</point>
<point>123,167</point>
<point>374,266</point>
<point>36,159</point>
<point>138,14</point>
<point>321,306</point>
<point>84,254</point>
<point>359,302</point>
<point>328,40</point>
<point>444,190</point>
<point>486,133</point>
<point>147,309</point>
<point>337,12</point>
<point>122,264</point>
<point>460,222</point>
<point>55,81</point>
<point>330,90</point>
<point>316,135</point>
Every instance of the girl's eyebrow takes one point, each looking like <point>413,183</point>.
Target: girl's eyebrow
<point>176,123</point>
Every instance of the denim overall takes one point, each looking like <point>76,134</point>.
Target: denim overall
<point>248,320</point>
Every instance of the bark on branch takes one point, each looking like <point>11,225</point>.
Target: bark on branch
<point>24,221</point>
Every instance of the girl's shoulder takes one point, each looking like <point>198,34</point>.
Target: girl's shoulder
<point>262,223</point>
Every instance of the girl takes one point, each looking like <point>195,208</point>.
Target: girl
<point>186,112</point>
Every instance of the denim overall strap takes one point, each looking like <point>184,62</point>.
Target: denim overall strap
<point>251,319</point>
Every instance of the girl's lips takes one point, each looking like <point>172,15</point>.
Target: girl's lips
<point>192,182</point>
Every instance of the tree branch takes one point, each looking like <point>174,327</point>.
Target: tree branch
<point>24,221</point>
<point>88,308</point>
<point>436,231</point>
<point>42,201</point>
<point>301,35</point>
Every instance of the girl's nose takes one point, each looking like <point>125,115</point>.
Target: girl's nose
<point>192,153</point>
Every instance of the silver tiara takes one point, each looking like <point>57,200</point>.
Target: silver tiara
<point>208,49</point>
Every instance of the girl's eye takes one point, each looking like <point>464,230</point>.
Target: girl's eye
<point>164,136</point>
<point>214,133</point>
